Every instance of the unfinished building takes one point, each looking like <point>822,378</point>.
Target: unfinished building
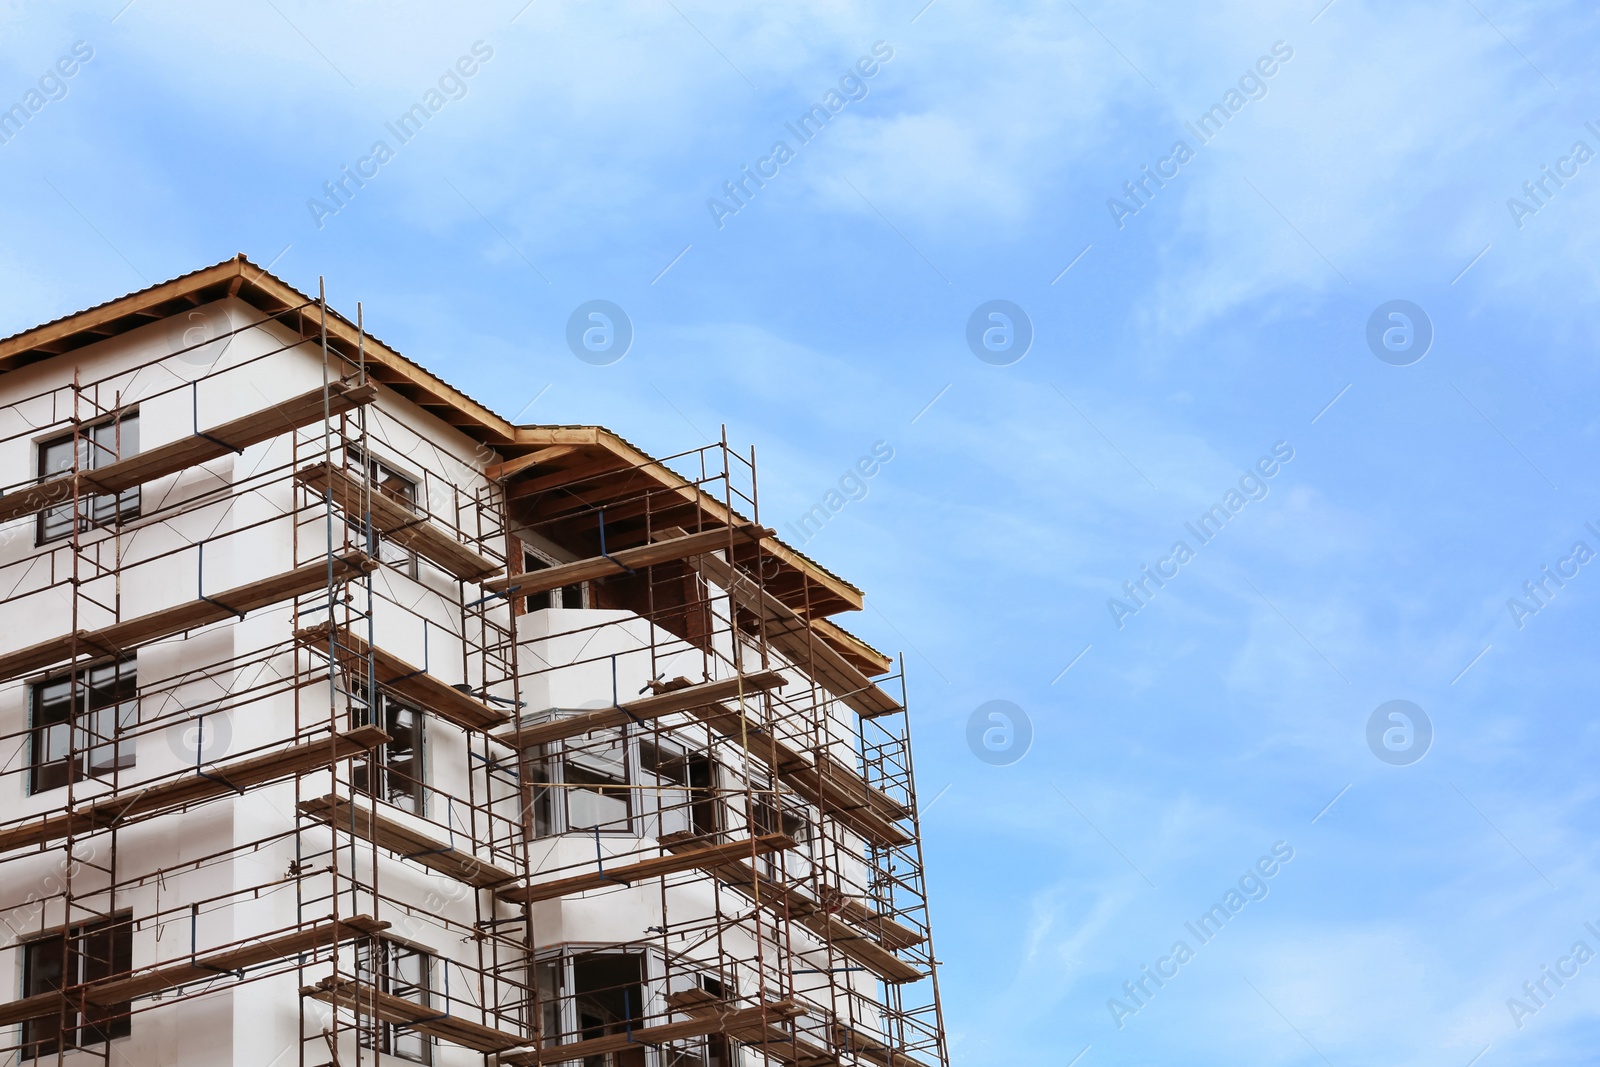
<point>347,723</point>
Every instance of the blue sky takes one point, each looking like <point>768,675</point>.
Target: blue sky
<point>1225,316</point>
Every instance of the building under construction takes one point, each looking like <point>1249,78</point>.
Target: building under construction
<point>345,722</point>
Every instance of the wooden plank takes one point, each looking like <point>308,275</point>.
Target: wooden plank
<point>849,1040</point>
<point>624,560</point>
<point>774,1041</point>
<point>727,1021</point>
<point>427,1019</point>
<point>35,1007</point>
<point>364,820</point>
<point>835,789</point>
<point>407,682</point>
<point>497,471</point>
<point>793,636</point>
<point>596,467</point>
<point>191,615</point>
<point>642,710</point>
<point>397,521</point>
<point>320,934</point>
<point>706,857</point>
<point>800,907</point>
<point>193,787</point>
<point>864,657</point>
<point>220,440</point>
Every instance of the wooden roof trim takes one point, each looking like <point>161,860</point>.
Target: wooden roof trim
<point>94,318</point>
<point>714,508</point>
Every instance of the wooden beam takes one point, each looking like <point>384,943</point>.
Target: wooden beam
<point>499,471</point>
<point>793,636</point>
<point>193,787</point>
<point>772,1040</point>
<point>593,468</point>
<point>862,656</point>
<point>185,452</point>
<point>705,857</point>
<point>122,637</point>
<point>433,1020</point>
<point>650,707</point>
<point>37,1006</point>
<point>735,1021</point>
<point>13,349</point>
<point>364,819</point>
<point>801,908</point>
<point>322,933</point>
<point>624,560</point>
<point>397,521</point>
<point>401,678</point>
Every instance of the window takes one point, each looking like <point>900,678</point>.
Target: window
<point>401,971</point>
<point>548,976</point>
<point>70,958</point>
<point>542,814</point>
<point>771,817</point>
<point>669,763</point>
<point>397,487</point>
<point>394,770</point>
<point>705,815</point>
<point>101,704</point>
<point>596,776</point>
<point>97,446</point>
<point>568,596</point>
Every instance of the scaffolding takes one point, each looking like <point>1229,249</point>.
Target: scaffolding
<point>555,761</point>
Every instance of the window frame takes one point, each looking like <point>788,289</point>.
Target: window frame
<point>381,758</point>
<point>570,596</point>
<point>69,1029</point>
<point>82,712</point>
<point>103,509</point>
<point>389,1038</point>
<point>381,472</point>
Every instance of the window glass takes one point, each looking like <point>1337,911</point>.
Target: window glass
<point>596,776</point>
<point>101,702</point>
<point>394,771</point>
<point>401,971</point>
<point>98,446</point>
<point>84,954</point>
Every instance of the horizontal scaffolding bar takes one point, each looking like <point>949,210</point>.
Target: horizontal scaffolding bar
<point>123,637</point>
<point>200,447</point>
<point>320,934</point>
<point>206,783</point>
<point>401,678</point>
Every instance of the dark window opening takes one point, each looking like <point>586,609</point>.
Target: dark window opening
<point>568,596</point>
<point>63,960</point>
<point>97,446</point>
<point>101,705</point>
<point>393,772</point>
<point>705,818</point>
<point>608,992</point>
